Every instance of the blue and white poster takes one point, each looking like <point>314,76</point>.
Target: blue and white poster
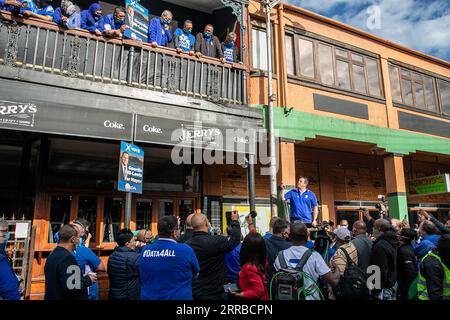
<point>136,21</point>
<point>131,168</point>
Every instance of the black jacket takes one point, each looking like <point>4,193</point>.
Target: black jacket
<point>384,255</point>
<point>185,236</point>
<point>434,275</point>
<point>406,270</point>
<point>60,268</point>
<point>123,272</point>
<point>211,49</point>
<point>363,247</point>
<point>273,246</point>
<point>210,251</point>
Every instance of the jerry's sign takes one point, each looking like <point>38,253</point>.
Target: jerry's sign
<point>429,185</point>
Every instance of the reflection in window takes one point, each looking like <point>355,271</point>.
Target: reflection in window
<point>305,48</point>
<point>373,75</point>
<point>87,209</point>
<point>342,53</point>
<point>143,214</point>
<point>407,92</point>
<point>357,58</point>
<point>112,218</point>
<point>395,84</point>
<point>59,215</point>
<point>419,95</point>
<point>165,208</point>
<point>429,92</point>
<point>444,91</point>
<point>343,75</point>
<point>290,66</point>
<point>359,80</point>
<point>259,49</point>
<point>326,64</point>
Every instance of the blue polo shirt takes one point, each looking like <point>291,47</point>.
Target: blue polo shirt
<point>87,259</point>
<point>166,270</point>
<point>302,205</point>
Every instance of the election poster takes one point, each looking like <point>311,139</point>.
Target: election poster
<point>131,168</point>
<point>136,21</point>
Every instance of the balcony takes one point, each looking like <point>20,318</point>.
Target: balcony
<point>44,47</point>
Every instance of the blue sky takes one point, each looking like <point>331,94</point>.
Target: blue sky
<point>423,25</point>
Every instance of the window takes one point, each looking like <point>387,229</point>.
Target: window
<point>112,216</point>
<point>327,64</point>
<point>305,49</point>
<point>259,49</point>
<point>59,215</point>
<point>413,88</point>
<point>87,209</point>
<point>444,92</point>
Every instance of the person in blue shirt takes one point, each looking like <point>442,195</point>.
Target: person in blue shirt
<point>269,233</point>
<point>86,258</point>
<point>232,259</point>
<point>42,10</point>
<point>68,15</point>
<point>13,6</point>
<point>113,25</point>
<point>429,238</point>
<point>166,267</point>
<point>304,206</point>
<point>90,19</point>
<point>159,31</point>
<point>9,289</point>
<point>229,48</point>
<point>183,39</point>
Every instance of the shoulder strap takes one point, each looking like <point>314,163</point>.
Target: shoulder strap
<point>304,259</point>
<point>347,256</point>
<point>282,260</point>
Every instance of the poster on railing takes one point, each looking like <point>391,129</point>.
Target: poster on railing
<point>136,21</point>
<point>131,168</point>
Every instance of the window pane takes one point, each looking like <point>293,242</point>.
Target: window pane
<point>374,78</point>
<point>259,49</point>
<point>342,53</point>
<point>326,64</point>
<point>419,95</point>
<point>186,207</point>
<point>306,58</point>
<point>87,209</point>
<point>417,76</point>
<point>343,75</point>
<point>289,55</point>
<point>112,218</point>
<point>59,215</point>
<point>359,79</point>
<point>395,84</point>
<point>407,92</point>
<point>406,73</point>
<point>357,58</point>
<point>430,94</point>
<point>143,214</point>
<point>444,90</point>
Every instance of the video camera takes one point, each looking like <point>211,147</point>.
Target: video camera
<point>320,237</point>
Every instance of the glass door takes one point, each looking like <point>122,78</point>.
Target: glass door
<point>144,214</point>
<point>166,207</point>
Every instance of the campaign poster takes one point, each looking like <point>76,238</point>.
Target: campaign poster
<point>136,21</point>
<point>262,219</point>
<point>131,168</point>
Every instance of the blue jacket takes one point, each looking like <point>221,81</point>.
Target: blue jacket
<point>109,20</point>
<point>232,259</point>
<point>155,33</point>
<point>427,244</point>
<point>31,6</point>
<point>11,9</point>
<point>89,21</point>
<point>9,289</point>
<point>183,40</point>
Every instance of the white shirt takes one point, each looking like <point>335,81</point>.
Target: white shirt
<point>315,266</point>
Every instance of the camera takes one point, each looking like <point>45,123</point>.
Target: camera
<point>253,214</point>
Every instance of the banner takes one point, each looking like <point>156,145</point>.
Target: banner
<point>262,219</point>
<point>136,21</point>
<point>131,168</point>
<point>429,185</point>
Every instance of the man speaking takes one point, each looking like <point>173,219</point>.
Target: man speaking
<point>304,207</point>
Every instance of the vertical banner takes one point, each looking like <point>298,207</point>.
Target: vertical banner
<point>136,21</point>
<point>131,168</point>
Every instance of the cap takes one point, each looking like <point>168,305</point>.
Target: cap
<point>343,234</point>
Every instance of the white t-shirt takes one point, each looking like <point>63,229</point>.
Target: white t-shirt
<point>315,266</point>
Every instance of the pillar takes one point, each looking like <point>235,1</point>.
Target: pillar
<point>396,186</point>
<point>286,171</point>
<point>326,179</point>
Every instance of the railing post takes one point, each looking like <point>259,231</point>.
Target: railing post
<point>130,66</point>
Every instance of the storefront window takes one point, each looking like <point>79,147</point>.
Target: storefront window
<point>185,209</point>
<point>87,209</point>
<point>59,215</point>
<point>112,218</point>
<point>143,214</point>
<point>165,208</point>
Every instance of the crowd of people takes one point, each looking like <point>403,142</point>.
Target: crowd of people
<point>70,16</point>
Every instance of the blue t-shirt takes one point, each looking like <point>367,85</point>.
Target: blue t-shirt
<point>186,40</point>
<point>166,270</point>
<point>228,52</point>
<point>232,264</point>
<point>302,205</point>
<point>268,235</point>
<point>87,258</point>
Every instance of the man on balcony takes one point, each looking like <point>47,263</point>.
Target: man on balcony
<point>183,39</point>
<point>90,19</point>
<point>159,30</point>
<point>43,10</point>
<point>113,25</point>
<point>207,44</point>
<point>13,6</point>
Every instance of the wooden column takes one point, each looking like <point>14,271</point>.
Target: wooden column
<point>395,186</point>
<point>326,188</point>
<point>286,170</point>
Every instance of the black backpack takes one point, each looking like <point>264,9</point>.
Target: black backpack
<point>288,283</point>
<point>353,284</point>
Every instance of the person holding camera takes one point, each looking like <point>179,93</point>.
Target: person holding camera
<point>304,206</point>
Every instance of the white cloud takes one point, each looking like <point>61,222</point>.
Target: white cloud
<point>423,25</point>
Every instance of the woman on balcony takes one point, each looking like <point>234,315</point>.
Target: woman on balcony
<point>90,19</point>
<point>68,15</point>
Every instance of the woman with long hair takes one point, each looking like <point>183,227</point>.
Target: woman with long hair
<point>253,260</point>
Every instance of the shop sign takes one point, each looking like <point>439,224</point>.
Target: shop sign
<point>429,185</point>
<point>131,168</point>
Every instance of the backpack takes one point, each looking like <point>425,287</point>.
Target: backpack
<point>353,284</point>
<point>289,283</point>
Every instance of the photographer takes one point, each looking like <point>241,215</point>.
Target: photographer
<point>278,242</point>
<point>9,289</point>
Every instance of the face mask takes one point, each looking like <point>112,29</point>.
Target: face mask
<point>79,244</point>
<point>188,30</point>
<point>120,20</point>
<point>207,34</point>
<point>7,237</point>
<point>167,21</point>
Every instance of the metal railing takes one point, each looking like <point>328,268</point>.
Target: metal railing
<point>45,47</point>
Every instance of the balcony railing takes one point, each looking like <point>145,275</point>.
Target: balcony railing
<point>45,47</point>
